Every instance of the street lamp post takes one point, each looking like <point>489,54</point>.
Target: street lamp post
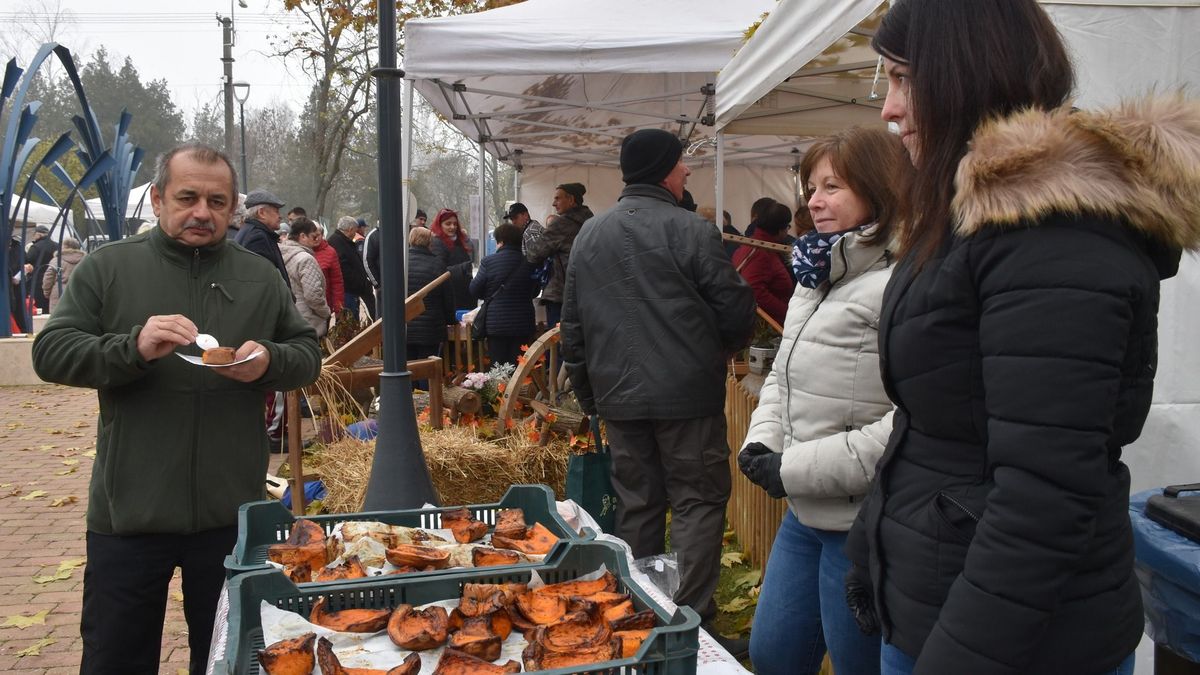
<point>242,91</point>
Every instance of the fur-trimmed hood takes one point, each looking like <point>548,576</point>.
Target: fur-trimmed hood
<point>1139,161</point>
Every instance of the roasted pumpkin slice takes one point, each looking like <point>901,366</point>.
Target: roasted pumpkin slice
<point>496,623</point>
<point>466,527</point>
<point>330,665</point>
<point>312,554</point>
<point>348,620</point>
<point>486,647</point>
<point>538,657</point>
<point>510,523</point>
<point>631,641</point>
<point>618,611</point>
<point>520,623</point>
<point>418,629</point>
<point>480,599</point>
<point>421,557</point>
<point>640,621</point>
<point>606,599</point>
<point>486,556</point>
<point>605,584</point>
<point>581,631</point>
<point>540,608</point>
<point>300,573</point>
<point>305,531</point>
<point>454,662</point>
<point>351,568</point>
<point>289,657</point>
<point>539,540</point>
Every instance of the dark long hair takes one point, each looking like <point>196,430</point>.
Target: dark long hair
<point>969,61</point>
<point>870,161</point>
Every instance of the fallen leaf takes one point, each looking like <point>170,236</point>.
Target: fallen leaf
<point>22,622</point>
<point>177,596</point>
<point>47,447</point>
<point>181,671</point>
<point>751,579</point>
<point>70,462</point>
<point>66,472</point>
<point>736,605</point>
<point>731,558</point>
<point>5,485</point>
<point>90,453</point>
<point>72,563</point>
<point>33,495</point>
<point>63,501</point>
<point>35,649</point>
<point>59,575</point>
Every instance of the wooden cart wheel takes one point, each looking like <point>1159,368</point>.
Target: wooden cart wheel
<point>545,383</point>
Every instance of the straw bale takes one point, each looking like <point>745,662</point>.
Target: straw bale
<point>466,469</point>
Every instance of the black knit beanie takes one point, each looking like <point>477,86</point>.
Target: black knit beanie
<point>648,155</point>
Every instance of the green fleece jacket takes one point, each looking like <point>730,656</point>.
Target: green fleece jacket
<point>178,446</point>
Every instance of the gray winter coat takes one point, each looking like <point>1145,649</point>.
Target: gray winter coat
<point>61,268</point>
<point>652,310</point>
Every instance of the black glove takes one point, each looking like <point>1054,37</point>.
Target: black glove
<point>761,466</point>
<point>860,600</point>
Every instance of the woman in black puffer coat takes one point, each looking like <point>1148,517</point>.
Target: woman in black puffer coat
<point>507,278</point>
<point>427,332</point>
<point>1018,340</point>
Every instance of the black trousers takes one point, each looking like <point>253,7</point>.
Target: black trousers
<point>505,348</point>
<point>125,597</point>
<point>683,464</point>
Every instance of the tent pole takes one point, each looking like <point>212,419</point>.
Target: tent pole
<point>406,145</point>
<point>719,174</point>
<point>482,227</point>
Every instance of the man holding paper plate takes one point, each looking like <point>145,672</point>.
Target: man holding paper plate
<point>179,445</point>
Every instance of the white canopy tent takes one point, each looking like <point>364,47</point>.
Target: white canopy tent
<point>30,214</point>
<point>138,205</point>
<point>551,86</point>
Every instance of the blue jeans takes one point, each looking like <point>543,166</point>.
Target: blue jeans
<point>895,662</point>
<point>802,608</point>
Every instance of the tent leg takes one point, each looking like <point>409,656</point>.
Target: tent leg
<point>719,175</point>
<point>406,145</point>
<point>482,227</point>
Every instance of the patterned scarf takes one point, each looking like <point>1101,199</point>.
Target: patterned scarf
<point>811,254</point>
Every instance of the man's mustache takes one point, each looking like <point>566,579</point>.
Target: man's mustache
<point>192,223</point>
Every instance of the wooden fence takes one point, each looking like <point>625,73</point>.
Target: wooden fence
<point>754,515</point>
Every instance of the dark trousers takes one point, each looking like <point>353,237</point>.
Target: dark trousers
<point>553,313</point>
<point>125,597</point>
<point>683,464</point>
<point>505,349</point>
<point>416,352</point>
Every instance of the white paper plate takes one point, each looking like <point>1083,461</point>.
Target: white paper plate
<point>199,361</point>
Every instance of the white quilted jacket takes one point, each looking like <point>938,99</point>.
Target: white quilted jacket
<point>823,404</point>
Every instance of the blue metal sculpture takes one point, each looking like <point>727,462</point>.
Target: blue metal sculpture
<point>111,169</point>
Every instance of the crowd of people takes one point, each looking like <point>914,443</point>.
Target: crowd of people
<point>968,311</point>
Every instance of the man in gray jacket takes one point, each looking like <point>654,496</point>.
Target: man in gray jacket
<point>652,311</point>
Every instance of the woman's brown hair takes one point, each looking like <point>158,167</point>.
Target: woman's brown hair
<point>869,160</point>
<point>969,61</point>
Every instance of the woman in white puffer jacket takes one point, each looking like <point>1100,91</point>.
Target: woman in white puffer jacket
<point>823,416</point>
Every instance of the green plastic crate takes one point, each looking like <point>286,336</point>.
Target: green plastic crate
<point>262,524</point>
<point>671,648</point>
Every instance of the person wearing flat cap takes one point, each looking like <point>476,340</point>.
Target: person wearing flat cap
<point>551,245</point>
<point>650,315</point>
<point>260,230</point>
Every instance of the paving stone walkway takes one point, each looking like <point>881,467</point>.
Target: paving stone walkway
<point>47,440</point>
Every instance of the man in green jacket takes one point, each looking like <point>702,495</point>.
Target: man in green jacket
<point>179,446</point>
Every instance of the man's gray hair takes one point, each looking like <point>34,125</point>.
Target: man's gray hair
<point>70,243</point>
<point>202,153</point>
<point>346,223</point>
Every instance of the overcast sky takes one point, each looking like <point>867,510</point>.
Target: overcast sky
<point>176,40</point>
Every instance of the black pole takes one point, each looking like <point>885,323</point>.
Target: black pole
<point>242,123</point>
<point>399,476</point>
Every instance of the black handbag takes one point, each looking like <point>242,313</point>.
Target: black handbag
<point>1181,514</point>
<point>479,325</point>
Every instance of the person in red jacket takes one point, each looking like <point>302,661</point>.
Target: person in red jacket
<point>763,269</point>
<point>327,258</point>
